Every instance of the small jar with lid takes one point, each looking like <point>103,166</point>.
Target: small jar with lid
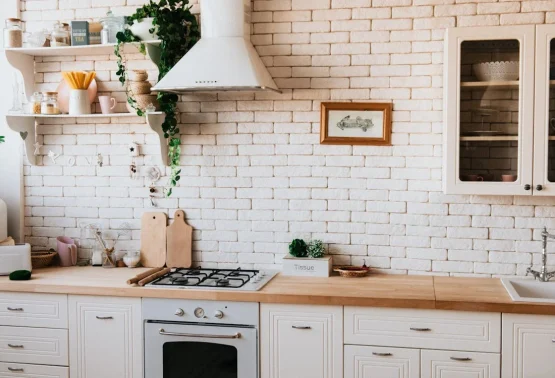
<point>36,103</point>
<point>13,33</point>
<point>60,35</point>
<point>111,26</point>
<point>49,105</point>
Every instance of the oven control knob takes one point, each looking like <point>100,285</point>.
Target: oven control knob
<point>218,314</point>
<point>179,312</point>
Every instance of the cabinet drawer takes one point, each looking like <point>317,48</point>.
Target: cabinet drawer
<point>301,341</point>
<point>382,362</point>
<point>11,370</point>
<point>450,364</point>
<point>33,310</point>
<point>431,329</point>
<point>34,345</point>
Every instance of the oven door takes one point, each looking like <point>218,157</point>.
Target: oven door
<point>178,350</point>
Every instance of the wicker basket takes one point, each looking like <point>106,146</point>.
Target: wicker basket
<point>42,259</point>
<point>352,271</point>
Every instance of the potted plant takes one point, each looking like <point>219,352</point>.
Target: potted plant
<point>172,22</point>
<point>307,259</point>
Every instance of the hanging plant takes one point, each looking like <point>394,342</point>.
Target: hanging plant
<point>2,140</point>
<point>178,31</point>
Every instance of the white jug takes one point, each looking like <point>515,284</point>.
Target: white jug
<point>79,102</point>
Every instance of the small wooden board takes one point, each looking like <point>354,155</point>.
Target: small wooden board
<point>180,242</point>
<point>153,240</point>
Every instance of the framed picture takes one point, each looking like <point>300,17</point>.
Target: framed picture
<point>356,123</point>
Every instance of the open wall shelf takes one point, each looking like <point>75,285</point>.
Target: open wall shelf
<point>23,60</point>
<point>26,125</point>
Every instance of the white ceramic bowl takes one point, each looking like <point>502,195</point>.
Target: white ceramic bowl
<point>496,71</point>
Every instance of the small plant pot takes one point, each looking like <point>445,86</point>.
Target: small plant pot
<point>307,266</point>
<point>142,29</point>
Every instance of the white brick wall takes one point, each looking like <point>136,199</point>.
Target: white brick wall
<point>254,174</point>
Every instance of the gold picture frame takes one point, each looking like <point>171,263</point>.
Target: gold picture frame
<point>350,123</point>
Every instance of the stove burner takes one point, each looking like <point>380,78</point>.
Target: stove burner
<point>222,282</point>
<point>195,272</point>
<point>179,280</point>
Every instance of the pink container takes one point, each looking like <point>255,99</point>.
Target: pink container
<point>67,250</point>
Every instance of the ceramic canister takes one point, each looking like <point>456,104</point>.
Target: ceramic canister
<point>79,102</point>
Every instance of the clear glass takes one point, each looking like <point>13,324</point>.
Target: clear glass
<point>204,360</point>
<point>109,258</point>
<point>551,146</point>
<point>489,111</point>
<point>60,36</point>
<point>13,33</point>
<point>36,102</point>
<point>49,105</point>
<point>111,26</point>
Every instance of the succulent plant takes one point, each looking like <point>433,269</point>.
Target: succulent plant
<point>316,249</point>
<point>297,248</point>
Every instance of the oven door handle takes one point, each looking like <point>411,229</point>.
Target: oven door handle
<point>164,333</point>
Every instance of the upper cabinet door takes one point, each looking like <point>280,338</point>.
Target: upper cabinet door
<point>489,110</point>
<point>544,134</point>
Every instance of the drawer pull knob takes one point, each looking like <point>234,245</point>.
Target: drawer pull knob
<point>420,329</point>
<point>105,317</point>
<point>15,346</point>
<point>382,354</point>
<point>463,359</point>
<point>301,327</point>
<point>19,309</point>
<point>16,370</point>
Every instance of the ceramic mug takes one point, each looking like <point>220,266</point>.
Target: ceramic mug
<point>107,104</point>
<point>79,102</point>
<point>67,250</point>
<point>472,178</point>
<point>508,178</point>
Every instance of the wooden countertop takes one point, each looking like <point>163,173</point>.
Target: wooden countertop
<point>426,292</point>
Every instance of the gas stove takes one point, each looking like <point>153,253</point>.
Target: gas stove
<point>216,279</point>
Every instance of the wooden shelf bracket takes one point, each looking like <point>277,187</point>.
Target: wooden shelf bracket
<point>155,121</point>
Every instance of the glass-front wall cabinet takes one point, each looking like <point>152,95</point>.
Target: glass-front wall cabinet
<point>544,123</point>
<point>489,90</point>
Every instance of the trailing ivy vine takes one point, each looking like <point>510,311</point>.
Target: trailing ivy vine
<point>178,30</point>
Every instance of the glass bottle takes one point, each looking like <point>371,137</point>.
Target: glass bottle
<point>49,105</point>
<point>60,36</point>
<point>13,33</point>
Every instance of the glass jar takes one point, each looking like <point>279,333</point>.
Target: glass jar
<point>132,259</point>
<point>109,258</point>
<point>13,33</point>
<point>111,26</point>
<point>60,36</point>
<point>36,103</point>
<point>49,103</point>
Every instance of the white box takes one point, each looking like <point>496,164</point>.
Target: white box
<point>307,267</point>
<point>16,257</point>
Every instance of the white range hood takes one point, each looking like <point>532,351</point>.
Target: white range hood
<point>224,59</point>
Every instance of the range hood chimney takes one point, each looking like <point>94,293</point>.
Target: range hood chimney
<point>224,59</point>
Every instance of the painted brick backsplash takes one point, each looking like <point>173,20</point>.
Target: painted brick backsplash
<point>254,174</point>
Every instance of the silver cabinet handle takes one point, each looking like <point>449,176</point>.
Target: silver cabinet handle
<point>16,370</point>
<point>461,358</point>
<point>420,329</point>
<point>301,327</point>
<point>164,333</point>
<point>105,317</point>
<point>15,346</point>
<point>381,354</point>
<point>15,309</point>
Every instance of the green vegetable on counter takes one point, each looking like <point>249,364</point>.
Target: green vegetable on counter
<point>20,275</point>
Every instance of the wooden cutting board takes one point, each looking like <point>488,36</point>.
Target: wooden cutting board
<point>180,242</point>
<point>153,240</point>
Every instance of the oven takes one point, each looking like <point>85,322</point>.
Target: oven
<point>203,345</point>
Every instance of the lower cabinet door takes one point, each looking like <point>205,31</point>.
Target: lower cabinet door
<point>450,364</point>
<point>300,341</point>
<point>105,337</point>
<point>528,346</point>
<point>10,370</point>
<point>381,362</point>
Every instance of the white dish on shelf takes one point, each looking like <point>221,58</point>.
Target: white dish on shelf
<point>497,71</point>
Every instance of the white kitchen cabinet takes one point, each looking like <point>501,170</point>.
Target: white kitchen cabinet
<point>34,345</point>
<point>381,362</point>
<point>299,341</point>
<point>15,370</point>
<point>33,310</point>
<point>544,122</point>
<point>528,346</point>
<point>450,364</point>
<point>105,337</point>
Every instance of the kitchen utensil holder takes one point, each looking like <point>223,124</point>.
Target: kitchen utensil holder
<point>79,102</point>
